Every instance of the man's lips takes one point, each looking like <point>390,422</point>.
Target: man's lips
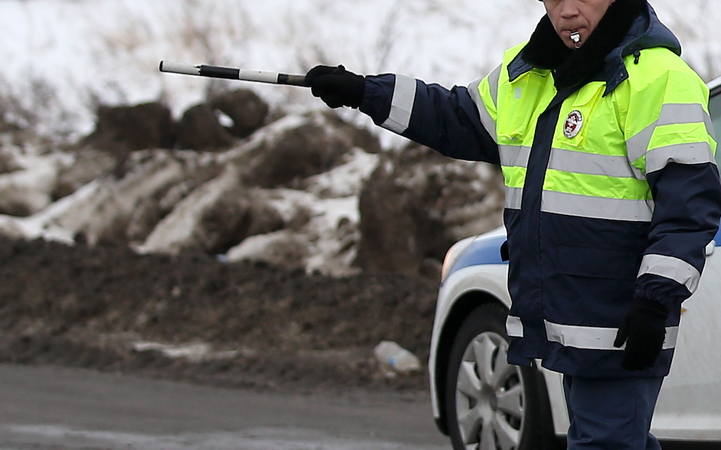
<point>570,31</point>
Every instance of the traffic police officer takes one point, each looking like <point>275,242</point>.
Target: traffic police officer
<point>612,194</point>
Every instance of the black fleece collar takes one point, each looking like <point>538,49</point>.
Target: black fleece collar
<point>546,50</point>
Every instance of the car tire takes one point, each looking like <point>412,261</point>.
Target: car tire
<point>492,405</point>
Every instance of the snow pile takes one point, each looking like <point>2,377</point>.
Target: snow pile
<point>307,190</point>
<point>199,200</point>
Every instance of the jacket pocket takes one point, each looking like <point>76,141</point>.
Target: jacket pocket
<point>598,262</point>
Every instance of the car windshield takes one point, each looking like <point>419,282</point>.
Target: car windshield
<point>715,111</point>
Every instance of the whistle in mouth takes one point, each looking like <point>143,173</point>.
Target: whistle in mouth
<point>576,38</point>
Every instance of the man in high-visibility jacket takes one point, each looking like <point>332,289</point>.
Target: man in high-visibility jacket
<point>612,194</point>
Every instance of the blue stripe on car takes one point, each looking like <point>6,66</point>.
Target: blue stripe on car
<point>485,250</point>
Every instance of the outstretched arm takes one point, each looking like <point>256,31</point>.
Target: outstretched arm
<point>445,120</point>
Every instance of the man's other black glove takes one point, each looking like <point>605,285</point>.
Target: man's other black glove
<point>336,86</point>
<point>644,330</point>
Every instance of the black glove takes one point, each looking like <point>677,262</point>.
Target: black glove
<point>336,86</point>
<point>644,330</point>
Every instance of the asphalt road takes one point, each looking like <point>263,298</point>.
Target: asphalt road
<point>52,408</point>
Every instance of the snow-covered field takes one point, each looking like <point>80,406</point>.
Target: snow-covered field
<point>62,57</point>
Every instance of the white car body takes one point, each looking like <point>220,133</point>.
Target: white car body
<point>689,407</point>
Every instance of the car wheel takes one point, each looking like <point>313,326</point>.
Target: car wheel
<point>492,405</point>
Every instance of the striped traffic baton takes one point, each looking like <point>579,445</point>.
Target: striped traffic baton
<point>230,73</point>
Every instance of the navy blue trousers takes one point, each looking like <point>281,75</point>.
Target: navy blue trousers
<point>611,413</point>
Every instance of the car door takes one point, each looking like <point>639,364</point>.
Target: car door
<point>688,407</point>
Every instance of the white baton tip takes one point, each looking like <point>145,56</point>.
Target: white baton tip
<point>179,67</point>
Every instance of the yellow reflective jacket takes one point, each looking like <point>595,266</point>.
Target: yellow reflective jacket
<point>612,192</point>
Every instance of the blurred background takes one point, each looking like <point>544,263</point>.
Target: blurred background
<point>231,232</point>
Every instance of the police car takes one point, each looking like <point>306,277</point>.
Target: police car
<point>483,403</point>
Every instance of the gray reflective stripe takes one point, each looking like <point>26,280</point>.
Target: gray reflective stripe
<point>590,163</point>
<point>514,327</point>
<point>671,113</point>
<point>494,79</point>
<point>514,155</point>
<point>695,153</point>
<point>636,146</point>
<point>597,207</point>
<point>595,338</point>
<point>486,120</point>
<point>513,197</point>
<point>404,96</point>
<point>669,267</point>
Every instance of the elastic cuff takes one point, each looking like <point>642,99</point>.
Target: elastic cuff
<point>377,97</point>
<point>661,290</point>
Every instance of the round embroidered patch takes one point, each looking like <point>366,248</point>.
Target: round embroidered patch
<point>573,124</point>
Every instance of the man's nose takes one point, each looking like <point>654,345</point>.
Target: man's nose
<point>569,8</point>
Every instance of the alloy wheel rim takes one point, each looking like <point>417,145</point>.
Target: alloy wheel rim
<point>489,396</point>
